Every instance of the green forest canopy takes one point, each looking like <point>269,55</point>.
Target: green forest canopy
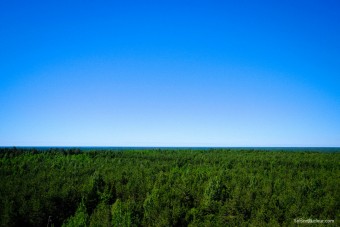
<point>167,187</point>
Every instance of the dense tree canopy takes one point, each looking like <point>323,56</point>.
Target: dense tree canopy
<point>152,187</point>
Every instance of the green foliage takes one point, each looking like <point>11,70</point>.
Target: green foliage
<point>121,214</point>
<point>217,187</point>
<point>79,219</point>
<point>101,216</point>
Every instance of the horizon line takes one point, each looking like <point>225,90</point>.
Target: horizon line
<point>149,146</point>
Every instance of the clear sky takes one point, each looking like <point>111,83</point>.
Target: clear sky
<point>170,73</point>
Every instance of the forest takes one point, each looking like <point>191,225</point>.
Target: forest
<point>167,187</point>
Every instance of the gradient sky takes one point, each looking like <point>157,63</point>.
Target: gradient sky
<point>169,73</point>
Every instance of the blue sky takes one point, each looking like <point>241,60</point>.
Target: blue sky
<point>169,73</point>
